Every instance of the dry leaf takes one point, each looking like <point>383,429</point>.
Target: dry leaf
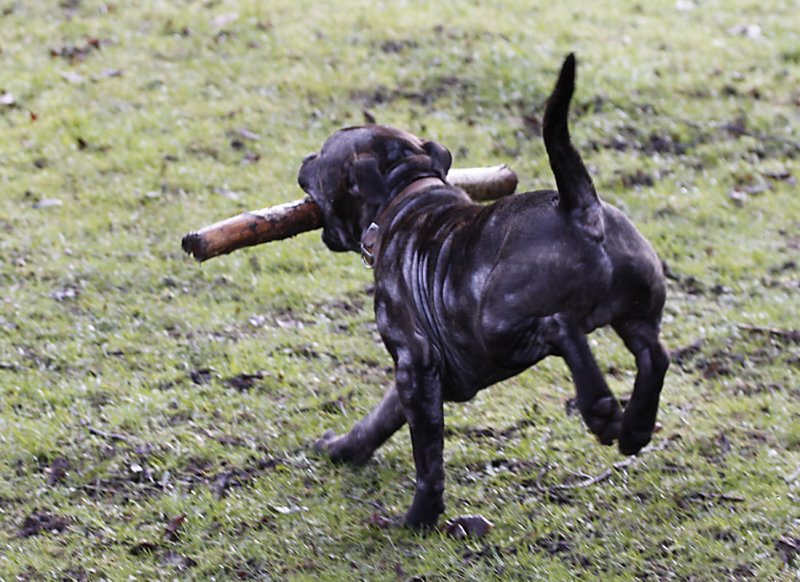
<point>173,527</point>
<point>73,78</point>
<point>472,526</point>
<point>224,20</point>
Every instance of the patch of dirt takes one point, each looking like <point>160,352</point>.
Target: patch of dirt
<point>682,356</point>
<point>201,376</point>
<point>551,495</point>
<point>40,522</point>
<point>631,138</point>
<point>77,574</point>
<point>176,560</point>
<point>557,544</point>
<point>426,95</point>
<point>705,500</point>
<point>635,179</point>
<point>161,547</point>
<point>489,432</point>
<point>78,52</point>
<point>243,382</point>
<point>690,284</point>
<point>397,46</point>
<point>338,405</point>
<point>241,476</point>
<point>493,433</point>
<point>201,472</point>
<point>252,569</point>
<point>788,549</point>
<point>742,355</point>
<point>57,471</point>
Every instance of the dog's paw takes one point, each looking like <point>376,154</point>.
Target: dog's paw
<point>424,511</point>
<point>322,444</point>
<point>340,450</point>
<point>420,522</point>
<point>634,439</point>
<point>604,419</point>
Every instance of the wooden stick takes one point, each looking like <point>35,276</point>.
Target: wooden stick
<point>624,464</point>
<point>484,184</point>
<point>290,219</point>
<point>253,228</point>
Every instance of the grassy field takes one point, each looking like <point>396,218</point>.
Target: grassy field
<point>157,417</point>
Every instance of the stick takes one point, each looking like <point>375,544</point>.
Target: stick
<point>253,228</point>
<point>290,219</point>
<point>787,334</point>
<point>112,436</point>
<point>589,481</point>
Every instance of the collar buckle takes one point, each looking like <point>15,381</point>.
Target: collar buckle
<point>368,242</point>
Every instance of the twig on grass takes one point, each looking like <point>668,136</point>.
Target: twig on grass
<point>371,502</point>
<point>793,477</point>
<point>786,334</point>
<point>112,436</point>
<point>588,482</point>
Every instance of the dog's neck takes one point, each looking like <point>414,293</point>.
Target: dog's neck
<point>416,186</point>
<point>369,239</point>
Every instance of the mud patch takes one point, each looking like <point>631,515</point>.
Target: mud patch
<point>244,382</point>
<point>558,545</point>
<point>41,522</point>
<point>235,477</point>
<point>788,549</point>
<point>397,46</point>
<point>430,91</point>
<point>742,355</point>
<point>78,52</point>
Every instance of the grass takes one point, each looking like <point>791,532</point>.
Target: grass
<point>157,416</point>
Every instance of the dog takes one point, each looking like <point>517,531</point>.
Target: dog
<point>467,295</point>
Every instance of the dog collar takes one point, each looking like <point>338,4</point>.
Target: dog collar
<point>369,239</point>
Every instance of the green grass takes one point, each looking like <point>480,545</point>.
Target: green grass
<point>156,417</point>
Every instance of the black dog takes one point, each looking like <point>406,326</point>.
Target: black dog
<point>467,295</point>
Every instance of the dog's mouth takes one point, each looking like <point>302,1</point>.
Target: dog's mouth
<point>335,241</point>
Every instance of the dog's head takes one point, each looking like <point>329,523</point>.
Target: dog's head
<point>359,170</point>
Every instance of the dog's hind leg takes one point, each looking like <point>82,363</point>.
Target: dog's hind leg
<point>596,403</point>
<point>652,360</point>
<point>358,445</point>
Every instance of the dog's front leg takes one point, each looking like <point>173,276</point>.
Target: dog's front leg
<point>420,391</point>
<point>358,445</point>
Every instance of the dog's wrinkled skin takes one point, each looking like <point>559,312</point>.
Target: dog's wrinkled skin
<point>467,295</point>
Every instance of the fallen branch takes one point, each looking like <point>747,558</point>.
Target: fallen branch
<point>112,436</point>
<point>613,468</point>
<point>792,335</point>
<point>290,219</point>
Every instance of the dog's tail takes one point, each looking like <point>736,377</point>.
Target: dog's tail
<point>575,189</point>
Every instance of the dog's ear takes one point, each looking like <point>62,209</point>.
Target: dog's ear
<point>440,156</point>
<point>308,172</point>
<point>367,179</point>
